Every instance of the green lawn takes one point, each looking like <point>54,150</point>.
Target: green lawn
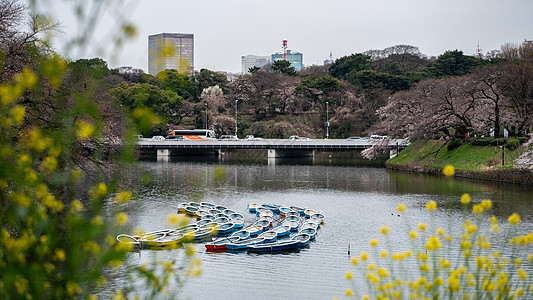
<point>435,154</point>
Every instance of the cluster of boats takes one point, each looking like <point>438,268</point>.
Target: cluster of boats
<point>273,228</point>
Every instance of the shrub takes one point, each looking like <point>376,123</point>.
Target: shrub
<point>512,144</point>
<point>522,139</point>
<point>484,141</point>
<point>454,144</point>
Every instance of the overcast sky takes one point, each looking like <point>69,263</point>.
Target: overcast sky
<point>224,30</point>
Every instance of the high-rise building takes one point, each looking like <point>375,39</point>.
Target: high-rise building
<point>295,58</point>
<point>250,61</point>
<point>171,51</point>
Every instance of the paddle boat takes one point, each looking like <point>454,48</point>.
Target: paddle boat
<point>208,217</point>
<point>221,208</point>
<point>274,247</point>
<point>297,209</point>
<point>318,216</point>
<point>293,225</point>
<point>191,211</point>
<point>292,214</point>
<point>283,210</point>
<point>309,225</point>
<point>273,207</point>
<point>181,207</point>
<point>303,238</point>
<point>242,234</point>
<point>269,236</point>
<point>194,204</point>
<point>309,231</point>
<point>210,205</point>
<point>239,223</point>
<point>254,229</point>
<point>220,244</point>
<point>243,244</point>
<point>225,229</point>
<point>252,207</point>
<point>281,230</point>
<point>308,212</point>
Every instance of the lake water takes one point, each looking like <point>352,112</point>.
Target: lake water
<point>356,198</point>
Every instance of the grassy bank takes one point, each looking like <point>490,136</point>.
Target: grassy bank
<point>431,156</point>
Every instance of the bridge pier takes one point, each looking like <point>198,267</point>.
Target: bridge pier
<point>277,153</point>
<point>163,154</point>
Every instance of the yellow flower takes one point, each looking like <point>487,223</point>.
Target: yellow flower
<point>76,206</point>
<point>382,272</point>
<point>448,170</point>
<point>18,113</point>
<point>384,253</point>
<point>413,234</point>
<point>121,219</point>
<point>486,204</point>
<point>440,231</point>
<point>366,297</point>
<point>84,130</point>
<point>349,275</point>
<point>401,207</point>
<point>372,267</point>
<point>73,288</point>
<point>384,229</point>
<point>354,261</point>
<point>422,226</point>
<point>477,209</point>
<point>424,268</point>
<point>60,254</point>
<point>514,219</point>
<point>349,293</point>
<point>373,242</point>
<point>522,274</point>
<point>364,256</point>
<point>465,199</point>
<point>123,197</point>
<point>433,243</point>
<point>431,205</point>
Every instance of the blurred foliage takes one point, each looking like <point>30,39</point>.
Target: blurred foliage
<point>62,146</point>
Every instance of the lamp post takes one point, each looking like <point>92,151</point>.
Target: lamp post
<point>206,116</point>
<point>236,101</point>
<point>327,120</point>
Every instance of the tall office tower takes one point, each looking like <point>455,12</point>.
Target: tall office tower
<point>171,51</point>
<point>250,61</point>
<point>295,58</point>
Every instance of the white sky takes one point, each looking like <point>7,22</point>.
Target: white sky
<point>224,30</point>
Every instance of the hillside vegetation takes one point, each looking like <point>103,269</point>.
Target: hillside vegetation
<point>433,155</point>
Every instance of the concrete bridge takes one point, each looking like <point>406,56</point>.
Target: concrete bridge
<point>274,147</point>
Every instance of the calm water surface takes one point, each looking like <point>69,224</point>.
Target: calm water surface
<point>355,198</point>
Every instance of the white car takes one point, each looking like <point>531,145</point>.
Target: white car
<point>158,138</point>
<point>252,138</point>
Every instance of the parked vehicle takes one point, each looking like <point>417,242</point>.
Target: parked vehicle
<point>378,137</point>
<point>175,137</point>
<point>228,138</point>
<point>252,138</point>
<point>158,138</point>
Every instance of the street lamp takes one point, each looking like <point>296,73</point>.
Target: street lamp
<point>327,120</point>
<point>206,116</point>
<point>236,101</point>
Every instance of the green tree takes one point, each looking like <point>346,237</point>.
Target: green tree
<point>283,67</point>
<point>207,78</point>
<point>164,103</point>
<point>181,84</point>
<point>454,63</point>
<point>344,65</point>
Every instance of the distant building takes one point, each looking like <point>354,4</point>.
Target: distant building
<point>250,61</point>
<point>171,51</point>
<point>295,58</point>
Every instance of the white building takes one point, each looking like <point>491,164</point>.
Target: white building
<point>250,61</point>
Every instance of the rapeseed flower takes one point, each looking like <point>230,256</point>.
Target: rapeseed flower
<point>401,207</point>
<point>431,205</point>
<point>514,219</point>
<point>349,275</point>
<point>465,199</point>
<point>448,170</point>
<point>384,229</point>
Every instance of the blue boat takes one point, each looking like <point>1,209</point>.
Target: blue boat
<point>303,238</point>
<point>225,229</point>
<point>242,234</point>
<point>220,244</point>
<point>298,210</point>
<point>281,230</point>
<point>252,207</point>
<point>310,231</point>
<point>319,217</point>
<point>293,225</point>
<point>275,247</point>
<point>243,245</point>
<point>269,236</point>
<point>284,210</point>
<point>208,217</point>
<point>273,207</point>
<point>239,223</point>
